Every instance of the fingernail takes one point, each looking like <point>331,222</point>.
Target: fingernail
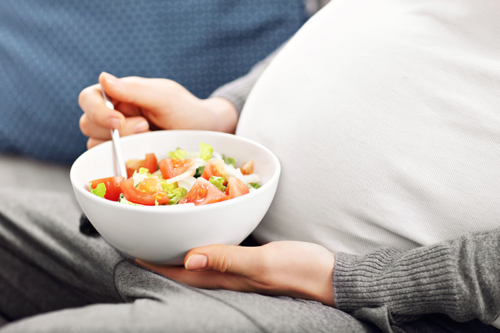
<point>141,127</point>
<point>111,79</point>
<point>196,262</point>
<point>115,123</point>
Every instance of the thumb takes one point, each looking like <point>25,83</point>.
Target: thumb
<point>224,258</point>
<point>139,91</point>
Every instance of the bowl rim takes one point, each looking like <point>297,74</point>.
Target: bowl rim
<point>162,209</point>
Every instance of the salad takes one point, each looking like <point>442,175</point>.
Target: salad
<point>183,178</point>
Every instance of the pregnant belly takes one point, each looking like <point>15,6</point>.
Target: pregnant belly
<point>376,148</point>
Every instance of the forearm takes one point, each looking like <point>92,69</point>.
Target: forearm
<point>459,278</point>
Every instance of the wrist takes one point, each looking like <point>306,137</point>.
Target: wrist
<point>223,114</point>
<point>322,287</point>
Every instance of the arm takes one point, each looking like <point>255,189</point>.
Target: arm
<point>143,104</point>
<point>459,278</point>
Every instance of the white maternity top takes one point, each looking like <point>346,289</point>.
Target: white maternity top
<point>385,115</point>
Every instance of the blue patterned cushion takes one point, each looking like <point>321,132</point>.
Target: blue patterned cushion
<point>50,50</point>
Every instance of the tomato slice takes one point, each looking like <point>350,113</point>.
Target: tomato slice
<point>151,163</point>
<point>247,168</point>
<point>203,192</point>
<point>148,192</point>
<point>113,189</point>
<point>235,188</point>
<point>172,167</point>
<point>215,168</point>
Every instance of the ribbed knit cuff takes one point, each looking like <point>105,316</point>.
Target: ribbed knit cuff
<point>415,282</point>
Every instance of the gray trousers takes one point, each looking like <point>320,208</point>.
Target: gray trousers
<point>54,279</point>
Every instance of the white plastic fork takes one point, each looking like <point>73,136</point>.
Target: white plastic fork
<point>115,135</point>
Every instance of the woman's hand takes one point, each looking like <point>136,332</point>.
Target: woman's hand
<point>142,104</point>
<point>295,269</point>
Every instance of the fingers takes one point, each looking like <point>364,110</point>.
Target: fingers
<point>215,266</point>
<point>92,104</point>
<point>244,261</point>
<point>132,125</point>
<point>135,90</point>
<point>92,130</point>
<point>205,280</point>
<point>98,134</point>
<point>295,269</point>
<point>91,143</point>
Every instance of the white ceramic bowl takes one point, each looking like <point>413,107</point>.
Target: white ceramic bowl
<point>164,234</point>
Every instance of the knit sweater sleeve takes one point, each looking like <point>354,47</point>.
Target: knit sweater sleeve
<point>460,278</point>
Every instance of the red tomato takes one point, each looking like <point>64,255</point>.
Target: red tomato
<point>247,168</point>
<point>236,188</point>
<point>146,193</point>
<point>150,163</point>
<point>203,192</point>
<point>113,189</point>
<point>171,167</point>
<point>215,168</point>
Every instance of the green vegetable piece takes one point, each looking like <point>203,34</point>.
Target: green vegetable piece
<point>143,171</point>
<point>206,151</point>
<point>229,160</point>
<point>254,185</point>
<point>176,195</point>
<point>218,181</point>
<point>168,187</point>
<point>199,172</point>
<point>178,154</point>
<point>99,190</point>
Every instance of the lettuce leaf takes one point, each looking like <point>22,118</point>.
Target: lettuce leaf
<point>254,185</point>
<point>168,187</point>
<point>176,195</point>
<point>206,151</point>
<point>178,154</point>
<point>199,172</point>
<point>218,181</point>
<point>229,160</point>
<point>99,190</point>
